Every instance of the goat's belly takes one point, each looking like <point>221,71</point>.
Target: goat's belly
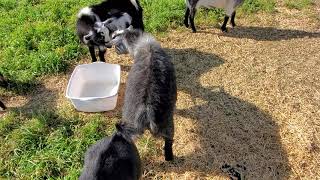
<point>212,3</point>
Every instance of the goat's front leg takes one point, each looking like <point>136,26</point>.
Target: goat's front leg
<point>92,53</point>
<point>102,51</point>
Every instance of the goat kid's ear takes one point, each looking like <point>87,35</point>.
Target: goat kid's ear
<point>97,25</point>
<point>87,37</point>
<point>108,21</point>
<point>130,28</point>
<point>117,33</point>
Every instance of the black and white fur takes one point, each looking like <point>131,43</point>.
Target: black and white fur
<point>89,19</point>
<point>151,91</point>
<point>114,157</point>
<point>228,5</point>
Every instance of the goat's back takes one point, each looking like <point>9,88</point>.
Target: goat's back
<point>112,158</point>
<point>151,89</point>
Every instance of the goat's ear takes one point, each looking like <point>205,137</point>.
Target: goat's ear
<point>130,28</point>
<point>108,21</point>
<point>88,37</point>
<point>97,25</point>
<point>117,33</point>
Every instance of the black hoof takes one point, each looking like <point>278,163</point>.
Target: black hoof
<point>169,157</point>
<point>224,29</point>
<point>186,24</point>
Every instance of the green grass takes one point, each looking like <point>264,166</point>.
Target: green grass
<point>298,4</point>
<point>50,144</point>
<point>38,38</point>
<point>47,144</point>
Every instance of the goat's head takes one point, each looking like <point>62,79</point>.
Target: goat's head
<point>125,40</point>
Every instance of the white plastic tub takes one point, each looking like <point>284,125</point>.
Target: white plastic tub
<point>94,87</point>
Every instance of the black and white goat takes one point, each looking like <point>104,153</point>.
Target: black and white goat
<point>151,91</point>
<point>116,13</point>
<point>228,5</point>
<point>114,157</point>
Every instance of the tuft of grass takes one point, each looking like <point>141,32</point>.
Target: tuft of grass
<point>298,4</point>
<point>47,144</point>
<point>162,14</point>
<point>38,37</point>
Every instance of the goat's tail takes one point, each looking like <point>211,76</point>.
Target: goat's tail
<point>145,119</point>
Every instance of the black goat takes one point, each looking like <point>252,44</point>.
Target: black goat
<point>114,157</point>
<point>90,17</point>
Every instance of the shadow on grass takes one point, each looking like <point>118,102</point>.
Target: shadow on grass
<point>35,99</point>
<point>269,33</point>
<point>236,138</point>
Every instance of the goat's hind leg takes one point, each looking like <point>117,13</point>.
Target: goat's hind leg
<point>233,24</point>
<point>224,25</point>
<point>186,17</point>
<point>191,19</point>
<point>168,140</point>
<point>168,153</point>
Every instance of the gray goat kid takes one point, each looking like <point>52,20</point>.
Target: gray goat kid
<point>228,5</point>
<point>114,157</point>
<point>151,90</point>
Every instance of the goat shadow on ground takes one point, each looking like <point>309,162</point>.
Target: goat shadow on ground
<point>34,99</point>
<point>266,33</point>
<point>269,33</point>
<point>236,139</point>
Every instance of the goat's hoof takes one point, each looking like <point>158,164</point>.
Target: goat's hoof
<point>224,29</point>
<point>186,24</point>
<point>233,25</point>
<point>194,31</point>
<point>168,156</point>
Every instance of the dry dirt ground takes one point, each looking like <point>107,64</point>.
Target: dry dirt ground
<point>248,100</point>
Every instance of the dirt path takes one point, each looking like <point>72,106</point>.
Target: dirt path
<point>248,100</point>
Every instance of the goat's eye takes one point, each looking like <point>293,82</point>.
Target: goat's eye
<point>102,33</point>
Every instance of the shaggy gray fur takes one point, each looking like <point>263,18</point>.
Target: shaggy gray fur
<point>151,90</point>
